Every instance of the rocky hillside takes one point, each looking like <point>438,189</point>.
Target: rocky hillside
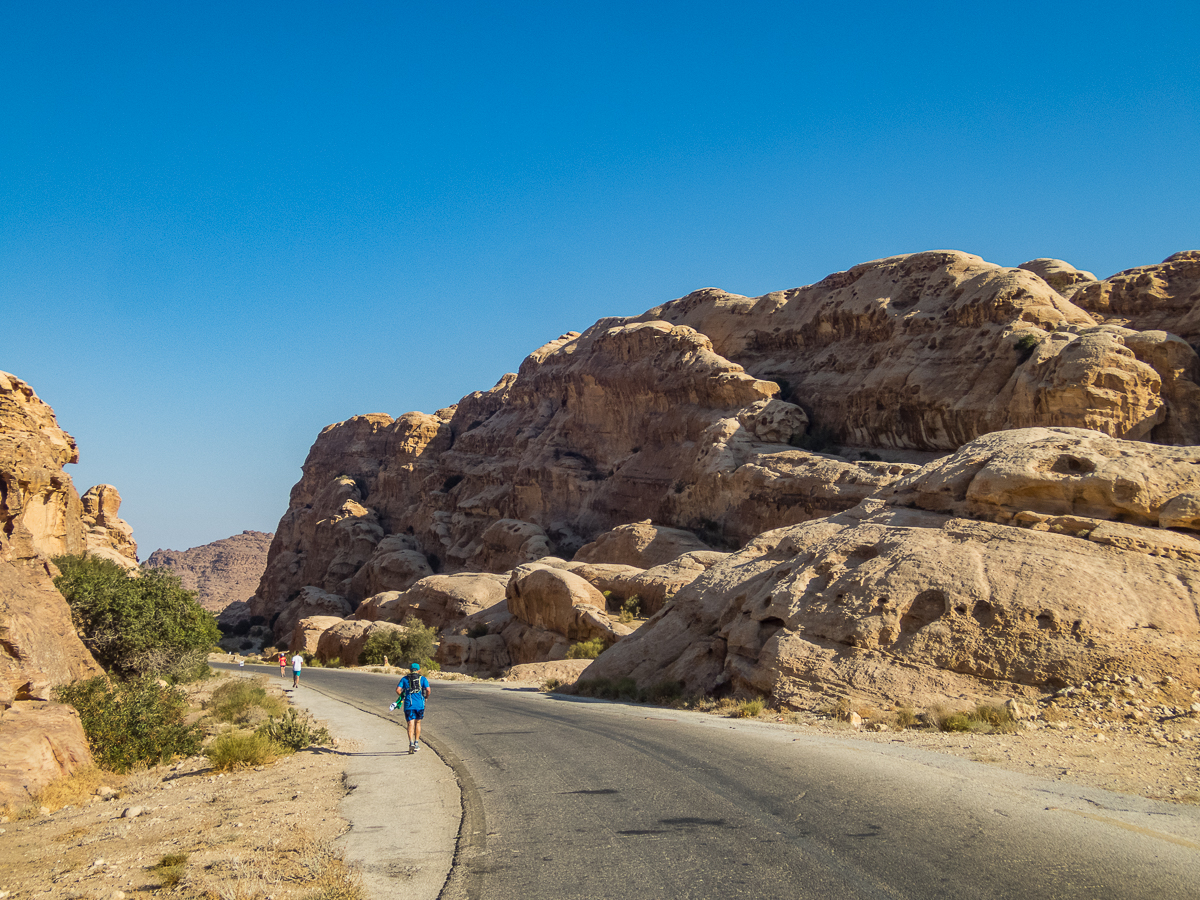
<point>737,420</point>
<point>40,516</point>
<point>223,572</point>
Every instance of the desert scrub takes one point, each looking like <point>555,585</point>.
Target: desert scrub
<point>747,709</point>
<point>551,684</point>
<point>235,700</point>
<point>131,722</point>
<point>631,609</point>
<point>240,749</point>
<point>983,719</point>
<point>75,789</point>
<point>586,649</point>
<point>170,869</point>
<point>291,732</point>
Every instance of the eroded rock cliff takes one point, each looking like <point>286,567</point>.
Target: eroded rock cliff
<point>223,572</point>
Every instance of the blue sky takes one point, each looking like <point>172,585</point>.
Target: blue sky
<point>224,226</point>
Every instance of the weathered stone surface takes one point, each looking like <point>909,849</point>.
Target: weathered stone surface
<point>39,648</point>
<point>485,654</point>
<point>395,565</point>
<point>107,535</point>
<point>40,513</point>
<point>306,635</point>
<point>1163,297</point>
<point>438,601</point>
<point>553,599</point>
<point>1060,472</point>
<point>640,544</point>
<point>1062,276</point>
<point>39,742</point>
<point>221,573</point>
<point>901,603</point>
<point>310,601</point>
<point>657,585</point>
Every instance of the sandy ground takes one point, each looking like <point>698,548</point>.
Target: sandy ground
<point>267,833</point>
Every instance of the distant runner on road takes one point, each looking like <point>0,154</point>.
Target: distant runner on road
<point>413,690</point>
<point>297,665</point>
<point>282,664</point>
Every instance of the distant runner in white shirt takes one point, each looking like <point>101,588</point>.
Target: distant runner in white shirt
<point>297,665</point>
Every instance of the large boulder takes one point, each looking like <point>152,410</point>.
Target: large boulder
<point>1062,276</point>
<point>1162,297</point>
<point>554,599</point>
<point>439,601</point>
<point>39,743</point>
<point>640,544</point>
<point>306,635</point>
<point>924,597</point>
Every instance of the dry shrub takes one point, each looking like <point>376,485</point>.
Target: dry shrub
<point>71,790</point>
<point>747,709</point>
<point>239,749</point>
<point>141,779</point>
<point>170,868</point>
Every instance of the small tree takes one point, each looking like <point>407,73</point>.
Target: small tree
<point>416,644</point>
<point>135,625</point>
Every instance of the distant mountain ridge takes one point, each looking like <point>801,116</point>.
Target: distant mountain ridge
<point>223,572</point>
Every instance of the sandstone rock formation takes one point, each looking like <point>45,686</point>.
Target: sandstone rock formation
<point>641,544</point>
<point>107,535</point>
<point>306,635</point>
<point>40,511</point>
<point>438,600</point>
<point>920,595</point>
<point>221,573</point>
<point>40,517</point>
<point>1062,276</point>
<point>345,640</point>
<point>1164,297</point>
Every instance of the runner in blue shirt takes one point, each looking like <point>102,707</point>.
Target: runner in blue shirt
<point>414,691</point>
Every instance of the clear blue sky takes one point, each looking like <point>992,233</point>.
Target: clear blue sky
<point>224,226</point>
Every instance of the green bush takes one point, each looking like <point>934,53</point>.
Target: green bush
<point>136,625</point>
<point>586,649</point>
<point>170,868</point>
<point>291,732</point>
<point>631,609</point>
<point>982,718</point>
<point>240,749</point>
<point>133,722</point>
<point>416,644</point>
<point>747,709</point>
<point>233,701</point>
<point>1026,345</point>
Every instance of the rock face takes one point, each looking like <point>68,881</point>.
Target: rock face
<point>221,573</point>
<point>107,534</point>
<point>40,517</point>
<point>1165,297</point>
<point>40,511</point>
<point>920,594</point>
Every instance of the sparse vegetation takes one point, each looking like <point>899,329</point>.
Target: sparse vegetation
<point>982,718</point>
<point>135,626</point>
<point>234,701</point>
<point>747,709</point>
<point>1025,346</point>
<point>292,732</point>
<point>630,609</point>
<point>588,649</point>
<point>137,721</point>
<point>664,692</point>
<point>240,749</point>
<point>170,868</point>
<point>416,644</point>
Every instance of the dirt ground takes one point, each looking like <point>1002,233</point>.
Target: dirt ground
<point>266,833</point>
<point>258,834</point>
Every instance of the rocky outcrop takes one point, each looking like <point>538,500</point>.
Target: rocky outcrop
<point>107,535</point>
<point>306,635</point>
<point>1164,297</point>
<point>1062,276</point>
<point>921,595</point>
<point>307,603</point>
<point>640,544</point>
<point>40,512</point>
<point>438,601</point>
<point>40,517</point>
<point>221,573</point>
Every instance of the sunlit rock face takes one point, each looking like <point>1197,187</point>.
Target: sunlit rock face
<point>1027,560</point>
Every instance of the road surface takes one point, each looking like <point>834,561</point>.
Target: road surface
<point>568,798</point>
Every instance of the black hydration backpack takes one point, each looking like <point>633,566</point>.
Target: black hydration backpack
<point>412,685</point>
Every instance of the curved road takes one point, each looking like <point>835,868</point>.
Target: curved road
<point>569,798</point>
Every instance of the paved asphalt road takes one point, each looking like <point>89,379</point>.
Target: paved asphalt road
<point>566,798</point>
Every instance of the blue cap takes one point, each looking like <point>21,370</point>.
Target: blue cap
<point>415,667</point>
